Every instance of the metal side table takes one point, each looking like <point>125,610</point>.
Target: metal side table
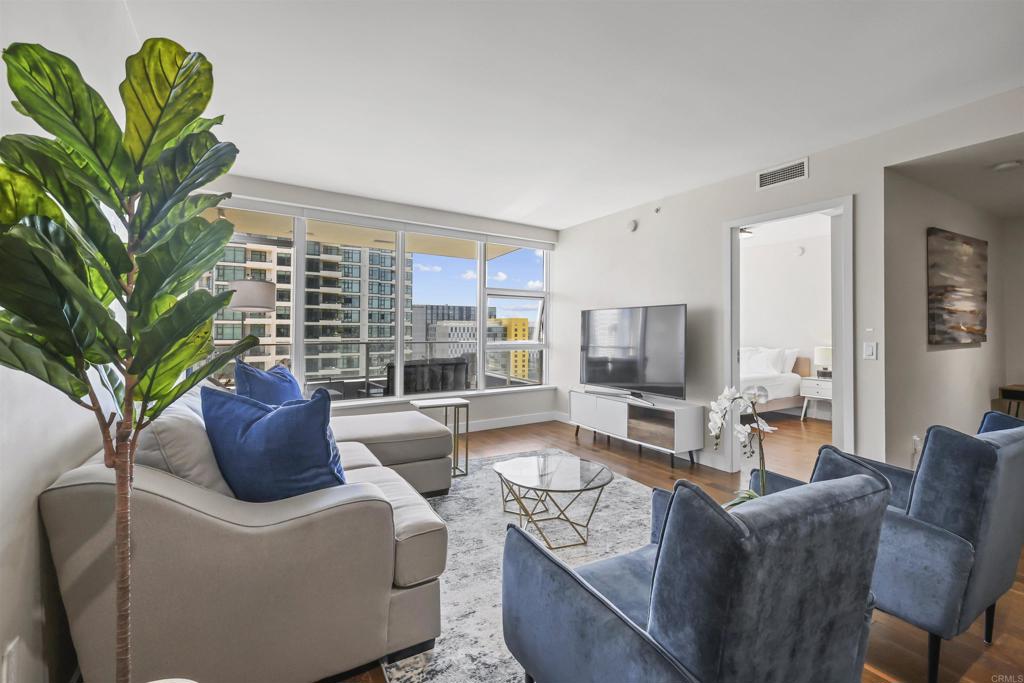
<point>457,405</point>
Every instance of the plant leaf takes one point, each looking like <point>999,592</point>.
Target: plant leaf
<point>22,196</point>
<point>112,383</point>
<point>165,89</point>
<point>744,496</point>
<point>177,323</point>
<point>199,159</point>
<point>198,125</point>
<point>49,165</point>
<point>21,354</point>
<point>198,374</point>
<point>50,89</point>
<point>85,306</point>
<point>173,265</point>
<point>28,291</point>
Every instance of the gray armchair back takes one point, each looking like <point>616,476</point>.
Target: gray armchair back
<point>777,590</point>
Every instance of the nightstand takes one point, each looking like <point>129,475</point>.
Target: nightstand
<point>814,389</point>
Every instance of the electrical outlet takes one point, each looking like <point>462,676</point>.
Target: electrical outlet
<point>9,666</point>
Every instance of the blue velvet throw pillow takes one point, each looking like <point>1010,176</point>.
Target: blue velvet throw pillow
<point>273,387</point>
<point>268,452</point>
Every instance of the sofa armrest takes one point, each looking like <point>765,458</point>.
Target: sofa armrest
<point>560,629</point>
<point>660,498</point>
<point>921,573</point>
<point>994,421</point>
<point>310,576</point>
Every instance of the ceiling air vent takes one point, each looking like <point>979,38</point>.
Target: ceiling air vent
<point>787,173</point>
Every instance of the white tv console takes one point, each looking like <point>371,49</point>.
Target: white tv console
<point>668,426</point>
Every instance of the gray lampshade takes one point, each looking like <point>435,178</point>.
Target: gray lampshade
<point>253,296</point>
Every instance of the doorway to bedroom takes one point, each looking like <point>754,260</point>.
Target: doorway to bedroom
<point>791,329</point>
<point>786,329</point>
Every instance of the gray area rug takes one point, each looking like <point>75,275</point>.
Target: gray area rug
<point>471,648</point>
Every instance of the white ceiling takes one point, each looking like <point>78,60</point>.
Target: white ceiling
<point>967,173</point>
<point>548,113</point>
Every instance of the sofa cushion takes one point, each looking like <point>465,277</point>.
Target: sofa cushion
<point>272,452</point>
<point>421,538</point>
<point>625,580</point>
<point>355,456</point>
<point>177,442</point>
<point>273,387</point>
<point>395,438</point>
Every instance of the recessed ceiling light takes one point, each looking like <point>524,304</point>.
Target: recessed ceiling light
<point>1008,165</point>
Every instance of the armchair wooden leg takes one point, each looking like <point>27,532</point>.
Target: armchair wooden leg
<point>527,678</point>
<point>934,644</point>
<point>990,622</point>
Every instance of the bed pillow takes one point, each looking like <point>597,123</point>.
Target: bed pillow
<point>763,361</point>
<point>268,452</point>
<point>789,360</point>
<point>273,387</point>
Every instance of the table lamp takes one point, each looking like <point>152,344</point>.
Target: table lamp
<point>253,296</point>
<point>823,360</point>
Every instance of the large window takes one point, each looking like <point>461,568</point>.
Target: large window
<point>516,300</point>
<point>371,312</point>
<point>364,366</point>
<point>442,323</point>
<point>265,239</point>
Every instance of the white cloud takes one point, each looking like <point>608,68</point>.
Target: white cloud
<point>535,284</point>
<point>499,277</point>
<point>469,275</point>
<point>428,269</point>
<point>539,253</point>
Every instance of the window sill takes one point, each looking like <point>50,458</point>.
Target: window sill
<point>393,400</point>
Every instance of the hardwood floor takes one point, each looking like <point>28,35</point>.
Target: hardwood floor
<point>897,651</point>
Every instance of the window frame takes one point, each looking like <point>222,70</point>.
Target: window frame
<point>402,304</point>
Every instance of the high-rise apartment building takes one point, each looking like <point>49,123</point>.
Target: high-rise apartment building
<point>349,305</point>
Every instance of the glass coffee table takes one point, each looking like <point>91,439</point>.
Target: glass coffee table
<point>550,488</point>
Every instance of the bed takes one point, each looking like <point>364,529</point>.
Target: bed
<point>783,387</point>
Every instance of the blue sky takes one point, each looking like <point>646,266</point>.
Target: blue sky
<point>447,280</point>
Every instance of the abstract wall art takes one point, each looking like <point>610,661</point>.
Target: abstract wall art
<point>957,288</point>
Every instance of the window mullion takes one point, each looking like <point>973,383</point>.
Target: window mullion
<point>299,300</point>
<point>481,316</point>
<point>400,311</point>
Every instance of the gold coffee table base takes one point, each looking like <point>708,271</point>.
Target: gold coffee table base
<point>530,506</point>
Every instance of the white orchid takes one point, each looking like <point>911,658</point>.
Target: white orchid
<point>745,434</point>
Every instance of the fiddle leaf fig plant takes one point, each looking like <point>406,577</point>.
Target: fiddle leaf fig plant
<point>102,240</point>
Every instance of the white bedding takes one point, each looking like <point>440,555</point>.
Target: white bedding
<point>781,385</point>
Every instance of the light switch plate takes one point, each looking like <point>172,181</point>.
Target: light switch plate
<point>870,350</point>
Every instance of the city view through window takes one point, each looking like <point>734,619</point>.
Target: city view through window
<point>344,308</point>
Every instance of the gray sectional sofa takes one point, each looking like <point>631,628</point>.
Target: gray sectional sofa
<point>225,590</point>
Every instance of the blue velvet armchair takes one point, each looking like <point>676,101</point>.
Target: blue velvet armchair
<point>776,591</point>
<point>952,537</point>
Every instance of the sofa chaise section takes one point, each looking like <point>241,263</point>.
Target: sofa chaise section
<point>414,445</point>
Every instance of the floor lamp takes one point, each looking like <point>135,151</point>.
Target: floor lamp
<point>253,296</point>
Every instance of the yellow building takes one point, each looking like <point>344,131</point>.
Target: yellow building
<point>516,329</point>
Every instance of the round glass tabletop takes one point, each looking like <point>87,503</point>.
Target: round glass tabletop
<point>558,473</point>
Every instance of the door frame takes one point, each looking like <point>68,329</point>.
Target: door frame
<point>840,210</point>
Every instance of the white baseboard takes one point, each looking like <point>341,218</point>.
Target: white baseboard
<point>516,420</point>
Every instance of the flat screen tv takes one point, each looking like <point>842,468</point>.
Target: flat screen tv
<point>641,350</point>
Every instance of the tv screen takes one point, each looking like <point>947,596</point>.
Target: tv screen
<point>641,349</point>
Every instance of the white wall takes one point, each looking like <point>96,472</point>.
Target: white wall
<point>1012,264</point>
<point>786,295</point>
<point>42,435</point>
<point>927,385</point>
<point>678,254</point>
